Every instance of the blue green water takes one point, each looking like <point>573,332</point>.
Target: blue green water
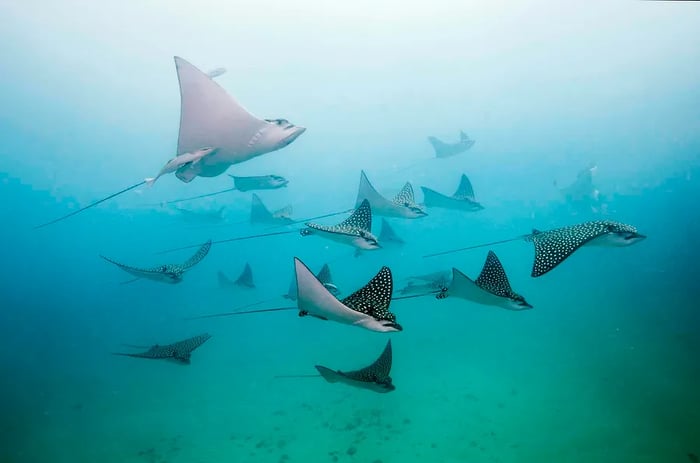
<point>604,368</point>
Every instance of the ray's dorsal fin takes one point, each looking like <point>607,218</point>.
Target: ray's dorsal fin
<point>198,256</point>
<point>493,277</point>
<point>379,371</point>
<point>374,298</point>
<point>465,190</point>
<point>405,197</point>
<point>246,277</point>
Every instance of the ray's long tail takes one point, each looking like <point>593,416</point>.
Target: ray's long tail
<point>99,201</point>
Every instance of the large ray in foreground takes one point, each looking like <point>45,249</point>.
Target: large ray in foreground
<point>490,288</point>
<point>463,199</point>
<point>356,230</point>
<point>367,307</point>
<point>375,377</point>
<point>179,352</point>
<point>403,205</point>
<point>554,246</point>
<point>208,112</point>
<point>168,273</point>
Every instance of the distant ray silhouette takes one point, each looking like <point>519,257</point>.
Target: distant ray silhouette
<point>463,199</point>
<point>445,150</point>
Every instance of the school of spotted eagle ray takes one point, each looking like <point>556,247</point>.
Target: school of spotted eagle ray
<point>216,132</point>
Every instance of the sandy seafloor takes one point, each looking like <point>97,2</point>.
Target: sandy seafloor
<point>576,381</point>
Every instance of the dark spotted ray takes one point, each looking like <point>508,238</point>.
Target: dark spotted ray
<point>168,273</point>
<point>324,276</point>
<point>554,246</point>
<point>367,307</point>
<point>375,377</point>
<point>490,288</point>
<point>208,112</point>
<point>445,150</point>
<point>463,199</point>
<point>262,182</point>
<point>403,205</point>
<point>179,352</point>
<point>260,214</point>
<point>355,230</point>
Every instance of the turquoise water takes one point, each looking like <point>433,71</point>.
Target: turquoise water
<point>605,368</point>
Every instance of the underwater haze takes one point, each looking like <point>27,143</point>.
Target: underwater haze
<point>575,113</point>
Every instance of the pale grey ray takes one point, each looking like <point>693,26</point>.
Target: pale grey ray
<point>209,116</point>
<point>445,150</point>
<point>463,199</point>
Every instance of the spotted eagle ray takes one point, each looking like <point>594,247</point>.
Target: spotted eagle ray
<point>179,352</point>
<point>554,246</point>
<point>355,230</point>
<point>324,276</point>
<point>403,205</point>
<point>168,273</point>
<point>261,182</point>
<point>367,307</point>
<point>490,288</point>
<point>463,199</point>
<point>446,150</point>
<point>260,214</point>
<point>375,377</point>
<point>209,116</point>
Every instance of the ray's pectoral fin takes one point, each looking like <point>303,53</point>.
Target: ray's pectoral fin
<point>374,298</point>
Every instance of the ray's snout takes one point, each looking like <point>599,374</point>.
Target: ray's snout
<point>296,132</point>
